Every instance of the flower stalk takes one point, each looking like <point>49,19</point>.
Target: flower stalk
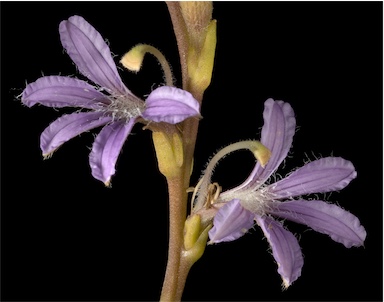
<point>196,40</point>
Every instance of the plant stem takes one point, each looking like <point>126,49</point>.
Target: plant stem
<point>177,269</point>
<point>181,37</point>
<point>177,214</point>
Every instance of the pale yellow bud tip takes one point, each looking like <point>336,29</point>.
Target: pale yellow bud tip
<point>261,152</point>
<point>133,59</point>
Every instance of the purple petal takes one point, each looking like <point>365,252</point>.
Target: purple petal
<point>277,135</point>
<point>106,149</point>
<point>57,91</point>
<point>340,225</point>
<point>231,222</point>
<point>91,54</point>
<point>67,127</point>
<point>320,176</point>
<point>171,105</point>
<point>285,249</point>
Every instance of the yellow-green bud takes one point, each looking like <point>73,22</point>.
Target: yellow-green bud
<point>191,231</point>
<point>197,15</point>
<point>169,152</point>
<point>195,239</point>
<point>200,64</point>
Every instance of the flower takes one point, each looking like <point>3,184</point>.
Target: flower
<point>256,200</point>
<point>110,104</point>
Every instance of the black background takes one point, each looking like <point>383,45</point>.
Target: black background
<point>67,237</point>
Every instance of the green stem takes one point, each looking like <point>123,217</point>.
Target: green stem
<point>184,268</point>
<point>177,270</point>
<point>177,266</point>
<point>181,37</point>
<point>177,213</point>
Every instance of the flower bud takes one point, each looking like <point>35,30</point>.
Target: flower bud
<point>169,153</point>
<point>197,16</point>
<point>195,238</point>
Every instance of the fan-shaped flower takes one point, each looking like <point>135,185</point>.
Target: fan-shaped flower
<point>256,200</point>
<point>110,103</point>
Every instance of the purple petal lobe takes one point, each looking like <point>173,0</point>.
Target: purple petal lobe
<point>323,175</point>
<point>91,54</point>
<point>340,225</point>
<point>285,249</point>
<point>277,133</point>
<point>231,222</point>
<point>57,91</point>
<point>106,149</point>
<point>171,105</point>
<point>67,127</point>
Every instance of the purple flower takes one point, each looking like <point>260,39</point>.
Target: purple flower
<point>256,200</point>
<point>110,103</point>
